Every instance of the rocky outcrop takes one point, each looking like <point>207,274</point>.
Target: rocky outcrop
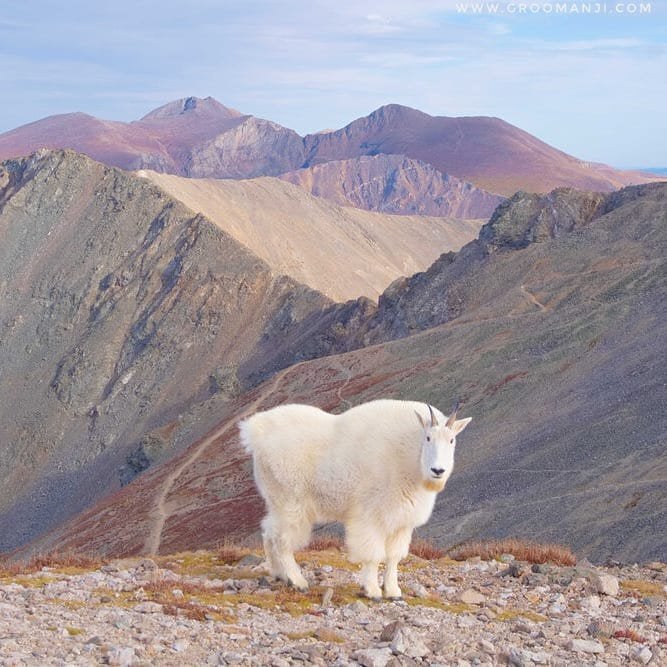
<point>458,283</point>
<point>395,184</point>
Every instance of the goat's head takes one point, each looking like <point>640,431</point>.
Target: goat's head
<point>437,448</point>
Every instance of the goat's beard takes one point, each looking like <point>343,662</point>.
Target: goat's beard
<point>435,485</point>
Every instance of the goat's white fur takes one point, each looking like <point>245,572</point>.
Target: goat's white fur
<point>371,468</point>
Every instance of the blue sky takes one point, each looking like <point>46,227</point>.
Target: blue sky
<point>594,85</point>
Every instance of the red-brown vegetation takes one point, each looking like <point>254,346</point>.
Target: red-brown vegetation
<point>526,550</point>
<point>629,633</point>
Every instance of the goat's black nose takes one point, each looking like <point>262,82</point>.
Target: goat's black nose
<point>437,471</point>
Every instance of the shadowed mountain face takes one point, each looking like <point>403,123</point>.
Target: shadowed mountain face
<point>395,184</point>
<point>119,307</point>
<point>550,328</point>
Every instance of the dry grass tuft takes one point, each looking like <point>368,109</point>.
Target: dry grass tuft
<point>525,550</point>
<point>230,553</point>
<point>513,614</point>
<point>641,588</point>
<point>196,602</point>
<point>62,562</point>
<point>426,550</point>
<point>325,543</point>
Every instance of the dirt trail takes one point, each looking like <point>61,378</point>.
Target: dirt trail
<point>347,372</point>
<point>531,297</point>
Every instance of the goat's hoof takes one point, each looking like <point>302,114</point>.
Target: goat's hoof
<point>375,597</point>
<point>302,587</point>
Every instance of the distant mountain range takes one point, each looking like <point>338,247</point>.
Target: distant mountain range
<point>201,138</point>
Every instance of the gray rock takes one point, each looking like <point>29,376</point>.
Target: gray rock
<point>407,642</point>
<point>486,646</point>
<point>180,645</point>
<point>517,569</point>
<point>604,583</point>
<point>405,661</point>
<point>250,560</point>
<point>327,596</point>
<point>518,658</point>
<point>373,657</point>
<point>600,628</point>
<point>642,654</point>
<point>418,590</point>
<point>148,608</point>
<point>120,656</point>
<point>470,596</point>
<point>590,603</point>
<point>585,646</point>
<point>147,565</point>
<point>390,631</point>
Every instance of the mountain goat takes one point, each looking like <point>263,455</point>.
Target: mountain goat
<point>376,468</point>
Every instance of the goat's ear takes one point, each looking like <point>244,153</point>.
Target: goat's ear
<point>460,424</point>
<point>421,420</point>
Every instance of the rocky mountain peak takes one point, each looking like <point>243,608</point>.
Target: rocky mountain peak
<point>192,106</point>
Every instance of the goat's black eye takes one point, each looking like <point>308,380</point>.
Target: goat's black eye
<point>451,442</point>
<point>428,438</point>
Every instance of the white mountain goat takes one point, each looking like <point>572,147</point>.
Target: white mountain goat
<point>376,468</point>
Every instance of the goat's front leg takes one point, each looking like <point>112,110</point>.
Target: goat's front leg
<point>366,546</point>
<point>397,547</point>
<point>369,580</point>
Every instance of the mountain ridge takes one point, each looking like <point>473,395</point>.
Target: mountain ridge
<point>285,225</point>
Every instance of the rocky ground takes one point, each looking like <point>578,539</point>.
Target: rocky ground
<point>200,609</point>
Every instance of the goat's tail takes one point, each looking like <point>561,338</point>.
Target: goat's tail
<point>245,435</point>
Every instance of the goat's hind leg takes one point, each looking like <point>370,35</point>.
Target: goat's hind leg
<point>283,535</point>
<point>269,547</point>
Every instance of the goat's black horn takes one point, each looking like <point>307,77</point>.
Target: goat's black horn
<point>452,418</point>
<point>434,419</point>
